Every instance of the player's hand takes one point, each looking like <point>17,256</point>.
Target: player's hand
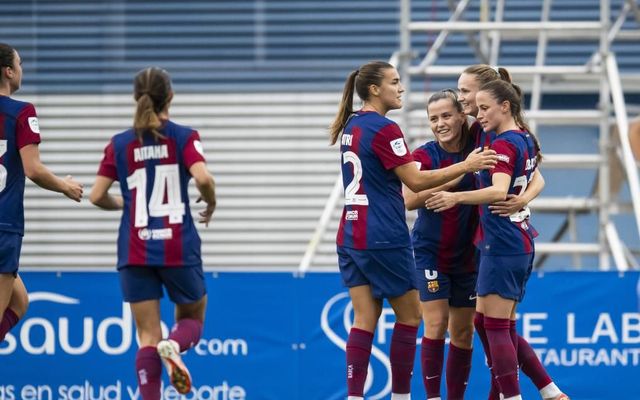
<point>207,213</point>
<point>511,205</point>
<point>479,159</point>
<point>73,188</point>
<point>441,201</point>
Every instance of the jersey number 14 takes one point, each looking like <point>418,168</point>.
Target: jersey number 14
<point>166,182</point>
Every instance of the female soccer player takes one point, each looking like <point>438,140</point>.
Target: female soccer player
<point>506,244</point>
<point>19,156</point>
<point>444,252</point>
<point>373,244</point>
<point>158,244</point>
<point>469,83</point>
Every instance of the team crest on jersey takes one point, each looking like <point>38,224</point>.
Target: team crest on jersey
<point>433,286</point>
<point>398,147</point>
<point>33,124</point>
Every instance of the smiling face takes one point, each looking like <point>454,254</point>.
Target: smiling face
<point>491,114</point>
<point>468,86</point>
<point>389,93</point>
<point>446,123</point>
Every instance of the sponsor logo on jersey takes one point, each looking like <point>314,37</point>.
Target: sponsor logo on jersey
<point>150,152</point>
<point>155,234</point>
<point>33,124</point>
<point>352,215</point>
<point>398,147</point>
<point>503,158</point>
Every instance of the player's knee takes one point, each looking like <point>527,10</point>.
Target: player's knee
<point>19,302</point>
<point>462,336</point>
<point>435,327</point>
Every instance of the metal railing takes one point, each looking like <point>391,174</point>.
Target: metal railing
<point>602,67</point>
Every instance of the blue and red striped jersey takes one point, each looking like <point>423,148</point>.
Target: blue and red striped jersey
<point>511,235</point>
<point>18,128</point>
<point>156,228</point>
<point>373,216</point>
<point>447,237</point>
<point>482,138</point>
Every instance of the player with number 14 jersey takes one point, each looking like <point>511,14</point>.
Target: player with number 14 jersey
<point>156,228</point>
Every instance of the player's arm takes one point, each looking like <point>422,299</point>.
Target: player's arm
<point>413,200</point>
<point>515,203</point>
<point>442,201</point>
<point>206,186</point>
<point>35,170</point>
<point>417,180</point>
<point>100,196</point>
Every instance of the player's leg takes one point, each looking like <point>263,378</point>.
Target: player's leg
<point>366,310</point>
<point>146,315</point>
<point>142,288</point>
<point>395,280</point>
<point>186,288</point>
<point>189,321</point>
<point>461,313</point>
<point>434,291</point>
<point>435,314</point>
<point>13,295</point>
<point>497,311</point>
<point>403,342</point>
<point>460,351</point>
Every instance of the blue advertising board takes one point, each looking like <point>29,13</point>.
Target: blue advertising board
<point>281,336</point>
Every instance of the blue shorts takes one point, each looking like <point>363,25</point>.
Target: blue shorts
<point>389,272</point>
<point>505,276</point>
<point>184,285</point>
<point>460,289</point>
<point>10,246</point>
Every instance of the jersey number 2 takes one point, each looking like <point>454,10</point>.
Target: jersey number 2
<point>167,181</point>
<point>351,196</point>
<point>3,170</point>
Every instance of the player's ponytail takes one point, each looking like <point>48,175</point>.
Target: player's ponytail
<point>358,81</point>
<point>345,109</point>
<point>152,92</point>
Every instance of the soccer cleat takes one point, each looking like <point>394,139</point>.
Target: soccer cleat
<point>178,372</point>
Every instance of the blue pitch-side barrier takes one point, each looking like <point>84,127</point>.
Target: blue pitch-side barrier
<point>278,336</point>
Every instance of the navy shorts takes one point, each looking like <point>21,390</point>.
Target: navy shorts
<point>184,285</point>
<point>10,246</point>
<point>389,272</point>
<point>459,289</point>
<point>505,276</point>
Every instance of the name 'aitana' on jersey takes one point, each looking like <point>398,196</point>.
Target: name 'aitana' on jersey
<point>150,152</point>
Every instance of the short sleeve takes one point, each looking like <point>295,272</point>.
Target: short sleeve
<point>423,159</point>
<point>27,128</point>
<point>390,147</point>
<point>108,164</point>
<point>193,151</point>
<point>507,154</point>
